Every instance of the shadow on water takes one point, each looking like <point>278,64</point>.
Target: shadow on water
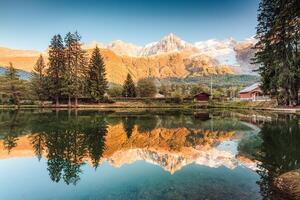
<point>279,152</point>
<point>276,147</point>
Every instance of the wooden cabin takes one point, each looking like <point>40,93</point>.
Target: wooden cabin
<point>203,96</point>
<point>251,92</point>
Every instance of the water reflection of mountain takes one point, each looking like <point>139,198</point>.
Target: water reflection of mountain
<point>23,122</point>
<point>68,140</point>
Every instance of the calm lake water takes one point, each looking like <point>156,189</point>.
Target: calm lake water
<point>148,155</point>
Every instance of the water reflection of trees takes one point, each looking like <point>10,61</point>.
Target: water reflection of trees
<point>70,143</point>
<point>64,139</point>
<point>11,122</point>
<point>145,122</point>
<point>148,122</point>
<point>128,124</point>
<point>279,152</point>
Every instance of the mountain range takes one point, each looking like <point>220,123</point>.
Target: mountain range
<point>169,57</point>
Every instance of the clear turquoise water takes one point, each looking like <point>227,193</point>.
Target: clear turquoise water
<point>54,174</point>
<point>26,178</point>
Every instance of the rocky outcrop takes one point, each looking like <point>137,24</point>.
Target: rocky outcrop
<point>289,184</point>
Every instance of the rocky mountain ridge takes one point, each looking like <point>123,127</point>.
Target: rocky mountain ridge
<point>169,57</point>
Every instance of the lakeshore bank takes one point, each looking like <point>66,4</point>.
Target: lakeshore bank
<point>263,106</point>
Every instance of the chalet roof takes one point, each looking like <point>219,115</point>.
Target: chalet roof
<point>250,88</point>
<point>202,93</point>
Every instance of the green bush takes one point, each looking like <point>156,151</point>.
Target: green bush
<point>107,100</point>
<point>146,88</point>
<point>176,100</point>
<point>115,91</point>
<point>147,101</point>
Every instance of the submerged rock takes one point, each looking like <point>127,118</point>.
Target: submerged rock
<point>289,184</point>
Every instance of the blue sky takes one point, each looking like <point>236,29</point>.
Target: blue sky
<point>30,24</point>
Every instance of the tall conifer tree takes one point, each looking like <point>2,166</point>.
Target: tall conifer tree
<point>129,89</point>
<point>13,87</point>
<point>278,49</point>
<point>57,67</point>
<point>75,66</point>
<point>96,76</point>
<point>38,80</point>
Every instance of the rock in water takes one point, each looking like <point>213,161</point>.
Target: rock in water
<point>289,184</point>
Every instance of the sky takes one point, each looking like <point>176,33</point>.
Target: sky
<point>30,24</point>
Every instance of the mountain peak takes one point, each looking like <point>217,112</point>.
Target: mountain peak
<point>172,36</point>
<point>169,43</point>
<point>123,48</point>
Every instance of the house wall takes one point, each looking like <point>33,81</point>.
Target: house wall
<point>245,95</point>
<point>202,98</point>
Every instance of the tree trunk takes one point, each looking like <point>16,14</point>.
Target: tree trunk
<point>56,102</point>
<point>69,113</point>
<point>56,113</point>
<point>16,100</point>
<point>76,101</point>
<point>69,101</point>
<point>76,113</point>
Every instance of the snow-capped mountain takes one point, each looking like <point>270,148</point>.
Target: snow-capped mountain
<point>229,52</point>
<point>222,51</point>
<point>168,44</point>
<point>173,162</point>
<point>124,49</point>
<point>244,54</point>
<point>168,57</point>
<point>93,44</point>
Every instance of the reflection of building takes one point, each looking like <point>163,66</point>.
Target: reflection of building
<point>252,92</point>
<point>202,116</point>
<point>159,96</point>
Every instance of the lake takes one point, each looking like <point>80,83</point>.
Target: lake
<point>87,154</point>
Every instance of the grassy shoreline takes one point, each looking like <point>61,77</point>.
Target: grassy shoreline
<point>263,106</point>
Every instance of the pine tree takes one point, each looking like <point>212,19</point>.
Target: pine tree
<point>38,80</point>
<point>75,67</point>
<point>13,86</point>
<point>96,76</point>
<point>57,67</point>
<point>278,49</point>
<point>129,89</point>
